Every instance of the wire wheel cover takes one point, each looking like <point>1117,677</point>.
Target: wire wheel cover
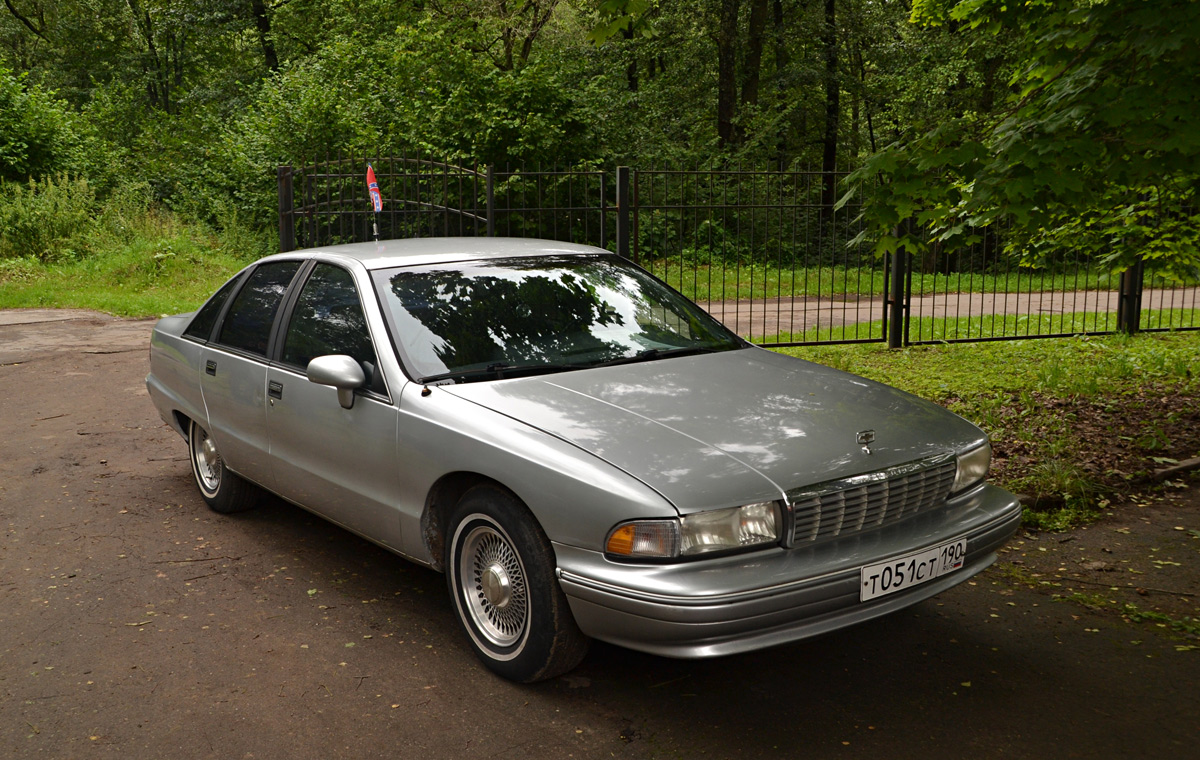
<point>493,585</point>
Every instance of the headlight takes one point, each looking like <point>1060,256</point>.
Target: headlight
<point>972,467</point>
<point>718,530</point>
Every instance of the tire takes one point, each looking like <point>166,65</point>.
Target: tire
<point>500,573</point>
<point>222,490</point>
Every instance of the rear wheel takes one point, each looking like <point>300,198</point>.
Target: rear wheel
<point>221,489</point>
<point>500,571</point>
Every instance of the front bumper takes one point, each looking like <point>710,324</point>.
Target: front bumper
<point>722,606</point>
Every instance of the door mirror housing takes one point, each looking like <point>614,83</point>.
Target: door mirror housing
<point>340,371</point>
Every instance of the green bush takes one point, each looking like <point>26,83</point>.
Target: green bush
<point>416,90</point>
<point>46,219</point>
<point>38,133</point>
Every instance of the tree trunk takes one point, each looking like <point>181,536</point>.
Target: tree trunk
<point>782,61</point>
<point>262,22</point>
<point>727,72</point>
<point>855,53</point>
<point>752,64</point>
<point>158,83</point>
<point>631,71</point>
<point>782,57</point>
<point>539,17</point>
<point>38,29</point>
<point>866,97</point>
<point>832,109</point>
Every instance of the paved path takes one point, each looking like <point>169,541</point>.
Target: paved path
<point>770,316</point>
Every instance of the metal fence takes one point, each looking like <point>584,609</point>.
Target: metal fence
<point>757,248</point>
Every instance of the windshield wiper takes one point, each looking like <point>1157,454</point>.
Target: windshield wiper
<point>650,354</point>
<point>499,370</point>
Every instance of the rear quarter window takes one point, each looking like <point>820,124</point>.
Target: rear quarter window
<point>206,318</point>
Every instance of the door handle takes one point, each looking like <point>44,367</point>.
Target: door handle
<point>275,390</point>
<point>210,367</point>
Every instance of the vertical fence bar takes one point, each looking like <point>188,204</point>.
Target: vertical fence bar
<point>1129,300</point>
<point>287,229</point>
<point>604,209</point>
<point>896,303</point>
<point>310,203</point>
<point>623,210</point>
<point>491,200</point>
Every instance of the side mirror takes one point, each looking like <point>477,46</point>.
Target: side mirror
<point>341,372</point>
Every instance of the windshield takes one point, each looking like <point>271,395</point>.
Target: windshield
<point>480,320</point>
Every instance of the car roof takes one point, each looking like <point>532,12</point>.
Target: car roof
<point>385,254</point>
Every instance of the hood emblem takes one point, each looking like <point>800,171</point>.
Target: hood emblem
<point>865,438</point>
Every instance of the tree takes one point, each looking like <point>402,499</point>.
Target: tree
<point>505,32</point>
<point>1096,146</point>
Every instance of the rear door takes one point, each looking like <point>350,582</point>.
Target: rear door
<point>233,377</point>
<point>340,463</point>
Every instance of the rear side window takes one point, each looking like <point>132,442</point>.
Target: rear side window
<point>248,324</point>
<point>202,324</point>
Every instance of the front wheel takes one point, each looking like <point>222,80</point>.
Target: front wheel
<point>222,490</point>
<point>500,572</point>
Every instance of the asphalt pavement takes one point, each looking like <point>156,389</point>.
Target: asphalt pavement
<point>135,623</point>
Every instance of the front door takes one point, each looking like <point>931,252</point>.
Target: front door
<point>340,463</point>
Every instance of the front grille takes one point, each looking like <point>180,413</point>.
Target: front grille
<point>862,502</point>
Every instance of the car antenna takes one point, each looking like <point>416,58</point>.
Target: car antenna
<point>376,199</point>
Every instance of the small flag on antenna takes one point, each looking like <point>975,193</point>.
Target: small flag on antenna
<point>373,189</point>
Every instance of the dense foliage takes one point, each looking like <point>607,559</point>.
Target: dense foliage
<point>1095,146</point>
<point>1072,122</point>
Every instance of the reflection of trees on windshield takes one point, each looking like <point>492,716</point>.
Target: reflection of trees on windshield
<point>576,311</point>
<point>480,319</point>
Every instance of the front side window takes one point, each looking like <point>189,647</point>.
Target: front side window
<point>248,324</point>
<point>495,318</point>
<point>328,319</point>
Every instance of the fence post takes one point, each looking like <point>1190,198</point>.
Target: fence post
<point>604,209</point>
<point>491,200</point>
<point>287,227</point>
<point>310,209</point>
<point>896,299</point>
<point>1129,299</point>
<point>623,211</point>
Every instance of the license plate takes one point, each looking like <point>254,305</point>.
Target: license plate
<point>912,569</point>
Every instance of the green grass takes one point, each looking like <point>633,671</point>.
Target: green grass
<point>161,266</point>
<point>971,373</point>
<point>1053,401</point>
<point>931,329</point>
<point>732,281</point>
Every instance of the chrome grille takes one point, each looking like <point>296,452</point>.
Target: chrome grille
<point>862,502</point>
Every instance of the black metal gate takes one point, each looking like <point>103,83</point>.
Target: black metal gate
<point>757,248</point>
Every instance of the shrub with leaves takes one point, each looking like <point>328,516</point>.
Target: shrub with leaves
<point>46,219</point>
<point>1098,149</point>
<point>414,90</point>
<point>38,134</point>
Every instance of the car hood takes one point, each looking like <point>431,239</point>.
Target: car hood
<point>729,428</point>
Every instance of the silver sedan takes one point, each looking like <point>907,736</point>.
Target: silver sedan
<point>584,452</point>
